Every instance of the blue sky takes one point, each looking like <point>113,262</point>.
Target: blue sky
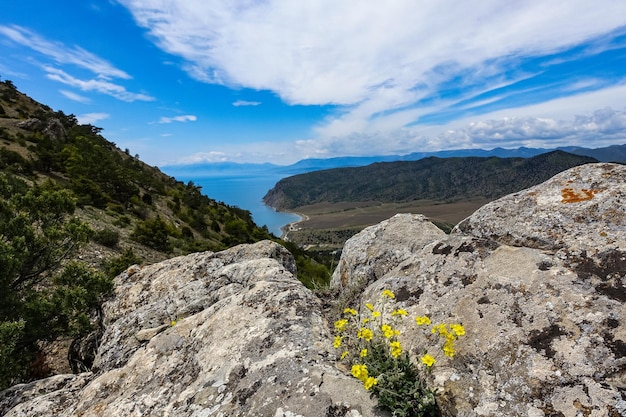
<point>190,81</point>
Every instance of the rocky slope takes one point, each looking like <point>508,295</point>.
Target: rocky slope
<point>536,278</point>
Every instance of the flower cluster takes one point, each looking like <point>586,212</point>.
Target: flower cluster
<point>369,341</point>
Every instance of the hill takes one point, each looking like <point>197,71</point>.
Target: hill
<point>75,211</point>
<point>439,179</point>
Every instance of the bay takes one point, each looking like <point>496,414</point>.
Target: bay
<point>245,191</point>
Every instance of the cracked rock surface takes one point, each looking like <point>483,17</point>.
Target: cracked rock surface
<point>249,340</point>
<point>536,278</point>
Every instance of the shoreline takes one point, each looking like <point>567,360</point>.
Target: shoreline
<point>293,226</point>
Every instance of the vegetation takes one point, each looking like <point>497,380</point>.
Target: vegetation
<point>41,297</point>
<point>444,180</point>
<point>370,344</point>
<point>66,191</point>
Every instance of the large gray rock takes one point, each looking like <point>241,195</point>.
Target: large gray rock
<point>249,340</point>
<point>370,254</point>
<point>537,279</point>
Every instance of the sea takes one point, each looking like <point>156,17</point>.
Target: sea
<point>245,191</point>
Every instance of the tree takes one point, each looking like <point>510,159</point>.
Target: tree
<point>42,296</point>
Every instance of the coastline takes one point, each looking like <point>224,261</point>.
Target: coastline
<point>293,226</point>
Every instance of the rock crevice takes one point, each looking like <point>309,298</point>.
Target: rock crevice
<point>536,278</point>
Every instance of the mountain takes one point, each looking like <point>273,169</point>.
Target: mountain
<point>75,211</point>
<point>113,190</point>
<point>613,153</point>
<point>440,179</point>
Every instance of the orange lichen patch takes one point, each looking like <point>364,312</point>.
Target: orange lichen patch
<point>571,196</point>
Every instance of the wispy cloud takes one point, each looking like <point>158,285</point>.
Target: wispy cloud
<point>75,97</point>
<point>74,56</point>
<point>61,53</point>
<point>91,118</point>
<point>185,118</point>
<point>99,85</point>
<point>388,68</point>
<point>239,103</point>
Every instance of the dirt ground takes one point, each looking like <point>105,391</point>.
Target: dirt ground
<point>343,215</point>
<point>327,225</point>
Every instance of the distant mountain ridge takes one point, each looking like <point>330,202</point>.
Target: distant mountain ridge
<point>433,178</point>
<point>613,153</point>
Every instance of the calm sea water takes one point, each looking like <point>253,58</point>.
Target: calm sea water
<point>246,192</point>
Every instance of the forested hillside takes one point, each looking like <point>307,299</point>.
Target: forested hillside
<point>438,179</point>
<point>75,211</point>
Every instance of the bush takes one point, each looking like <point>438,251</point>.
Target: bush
<point>153,233</point>
<point>122,221</point>
<point>116,266</point>
<point>40,299</point>
<point>107,237</point>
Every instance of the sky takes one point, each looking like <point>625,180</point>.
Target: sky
<point>194,81</point>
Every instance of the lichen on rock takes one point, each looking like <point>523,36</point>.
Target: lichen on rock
<point>536,281</point>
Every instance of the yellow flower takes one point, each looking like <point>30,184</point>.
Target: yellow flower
<point>369,306</point>
<point>422,320</point>
<point>388,293</point>
<point>350,311</point>
<point>363,353</point>
<point>340,325</point>
<point>366,320</point>
<point>337,342</point>
<point>375,314</point>
<point>369,383</point>
<point>365,333</point>
<point>396,349</point>
<point>344,354</point>
<point>173,323</point>
<point>387,331</point>
<point>399,312</point>
<point>441,328</point>
<point>448,349</point>
<point>458,329</point>
<point>428,360</point>
<point>360,372</point>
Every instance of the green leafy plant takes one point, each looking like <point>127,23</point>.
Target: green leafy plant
<point>370,344</point>
<point>43,295</point>
<point>115,266</point>
<point>107,237</point>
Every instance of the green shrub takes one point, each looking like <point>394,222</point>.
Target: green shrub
<point>153,233</point>
<point>107,237</point>
<point>116,266</point>
<point>116,208</point>
<point>122,221</point>
<point>42,296</point>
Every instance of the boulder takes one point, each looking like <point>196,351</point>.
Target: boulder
<point>537,279</point>
<point>232,333</point>
<point>370,254</point>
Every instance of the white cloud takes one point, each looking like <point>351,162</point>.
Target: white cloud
<point>61,53</point>
<point>91,118</point>
<point>211,156</point>
<point>99,85</point>
<point>78,57</point>
<point>185,118</point>
<point>239,103</point>
<point>375,60</point>
<point>340,52</point>
<point>75,97</point>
